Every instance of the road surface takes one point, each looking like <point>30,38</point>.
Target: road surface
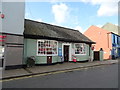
<point>105,76</point>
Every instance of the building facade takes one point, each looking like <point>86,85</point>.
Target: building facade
<point>104,39</point>
<point>52,44</point>
<point>115,46</point>
<point>11,34</point>
<point>111,28</point>
<point>115,38</point>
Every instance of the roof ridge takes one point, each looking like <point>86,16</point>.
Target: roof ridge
<point>98,27</point>
<point>108,23</point>
<point>53,25</point>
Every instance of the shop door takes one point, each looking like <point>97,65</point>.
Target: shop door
<point>49,59</point>
<point>96,55</point>
<point>66,53</point>
<point>1,56</point>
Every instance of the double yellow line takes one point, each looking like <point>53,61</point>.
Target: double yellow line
<point>43,74</point>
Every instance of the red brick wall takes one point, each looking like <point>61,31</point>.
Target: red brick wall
<point>102,39</point>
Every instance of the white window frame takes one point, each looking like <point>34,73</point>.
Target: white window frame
<point>46,54</point>
<point>85,48</point>
<point>70,53</point>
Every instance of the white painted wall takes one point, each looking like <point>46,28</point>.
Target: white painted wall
<point>14,17</point>
<point>0,18</point>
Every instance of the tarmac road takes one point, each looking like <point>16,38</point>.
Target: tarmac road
<point>95,77</point>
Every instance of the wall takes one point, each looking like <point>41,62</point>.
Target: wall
<point>111,28</point>
<point>13,22</point>
<point>13,50</point>
<point>13,25</point>
<point>30,49</point>
<point>0,18</point>
<point>115,45</point>
<point>102,39</point>
<point>82,57</point>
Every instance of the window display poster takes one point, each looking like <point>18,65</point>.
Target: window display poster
<point>59,51</point>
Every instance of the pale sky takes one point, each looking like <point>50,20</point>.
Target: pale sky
<point>76,15</point>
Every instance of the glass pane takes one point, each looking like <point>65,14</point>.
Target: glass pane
<point>47,47</point>
<point>42,44</point>
<point>80,48</point>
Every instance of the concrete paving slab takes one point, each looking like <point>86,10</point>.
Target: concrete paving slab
<point>14,73</point>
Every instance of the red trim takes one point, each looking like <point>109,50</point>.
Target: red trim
<point>1,36</point>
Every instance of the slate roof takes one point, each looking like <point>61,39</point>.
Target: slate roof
<point>40,30</point>
<point>112,28</point>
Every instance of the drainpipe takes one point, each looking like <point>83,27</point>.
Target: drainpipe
<point>89,49</point>
<point>109,44</point>
<point>108,39</point>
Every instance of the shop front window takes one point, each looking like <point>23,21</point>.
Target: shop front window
<point>47,47</point>
<point>80,48</point>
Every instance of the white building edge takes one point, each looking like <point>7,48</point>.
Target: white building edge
<point>11,32</point>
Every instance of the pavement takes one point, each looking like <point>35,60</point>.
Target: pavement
<point>13,73</point>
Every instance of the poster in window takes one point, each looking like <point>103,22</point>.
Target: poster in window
<point>59,51</point>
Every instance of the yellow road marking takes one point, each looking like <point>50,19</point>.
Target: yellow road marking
<point>24,77</point>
